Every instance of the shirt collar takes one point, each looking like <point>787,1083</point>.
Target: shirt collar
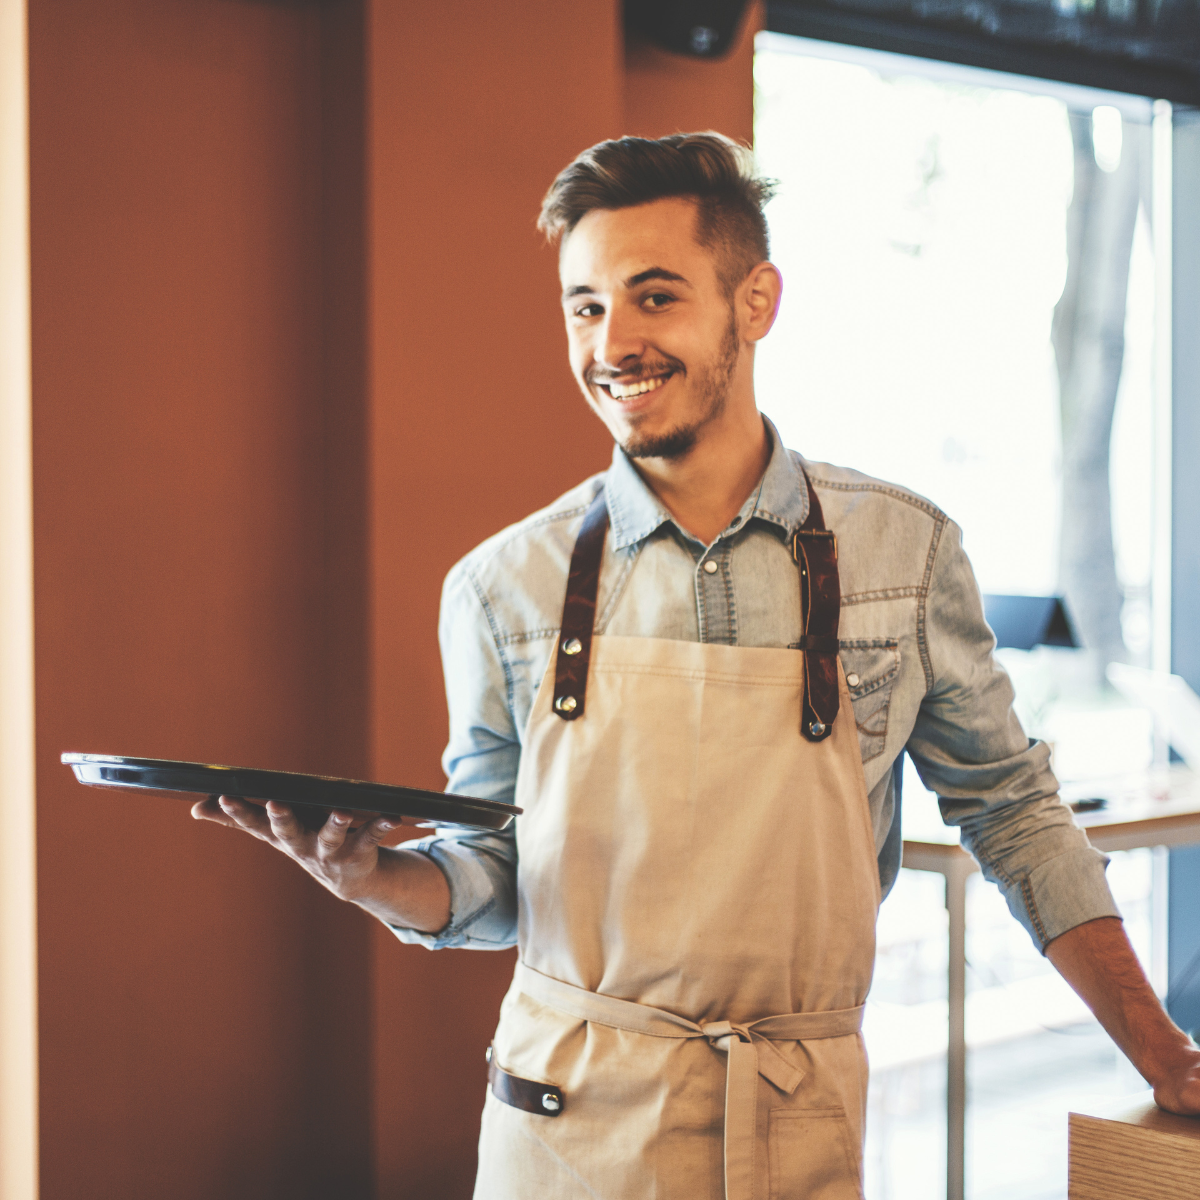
<point>635,512</point>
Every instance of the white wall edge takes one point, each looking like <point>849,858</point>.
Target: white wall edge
<point>18,896</point>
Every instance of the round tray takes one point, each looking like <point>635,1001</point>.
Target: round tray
<point>307,792</point>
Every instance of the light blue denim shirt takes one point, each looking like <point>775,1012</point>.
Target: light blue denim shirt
<point>914,645</point>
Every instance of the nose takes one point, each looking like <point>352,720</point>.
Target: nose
<point>620,341</point>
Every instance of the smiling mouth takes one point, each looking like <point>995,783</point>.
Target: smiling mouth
<point>637,387</point>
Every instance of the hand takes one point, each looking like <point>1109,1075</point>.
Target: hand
<point>401,887</point>
<point>345,861</point>
<point>1178,1089</point>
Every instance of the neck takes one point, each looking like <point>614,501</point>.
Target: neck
<point>706,488</point>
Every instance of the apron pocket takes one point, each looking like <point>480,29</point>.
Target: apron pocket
<point>871,666</point>
<point>811,1155</point>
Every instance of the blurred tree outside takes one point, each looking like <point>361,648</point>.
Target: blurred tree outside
<point>1088,335</point>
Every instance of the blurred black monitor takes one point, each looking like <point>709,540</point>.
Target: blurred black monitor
<point>1147,47</point>
<point>1022,622</point>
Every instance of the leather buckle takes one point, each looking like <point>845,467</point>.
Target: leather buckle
<point>812,533</point>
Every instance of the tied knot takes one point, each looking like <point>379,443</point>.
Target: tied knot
<point>719,1032</point>
<point>744,1043</point>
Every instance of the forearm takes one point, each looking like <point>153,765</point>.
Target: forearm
<point>1097,960</point>
<point>410,891</point>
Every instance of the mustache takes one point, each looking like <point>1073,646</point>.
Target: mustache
<point>599,376</point>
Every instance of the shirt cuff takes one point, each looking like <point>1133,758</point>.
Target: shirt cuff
<point>1061,893</point>
<point>479,917</point>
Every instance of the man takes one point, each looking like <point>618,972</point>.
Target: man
<point>697,674</point>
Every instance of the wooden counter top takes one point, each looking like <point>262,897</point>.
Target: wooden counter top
<point>1132,1150</point>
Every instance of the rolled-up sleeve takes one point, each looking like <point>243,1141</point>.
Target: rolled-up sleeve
<point>481,759</point>
<point>990,779</point>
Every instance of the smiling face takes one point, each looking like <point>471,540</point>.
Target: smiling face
<point>656,344</point>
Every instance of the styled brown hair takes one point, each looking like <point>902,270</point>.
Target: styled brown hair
<point>714,170</point>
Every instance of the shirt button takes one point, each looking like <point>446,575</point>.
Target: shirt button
<point>710,567</point>
<point>852,679</point>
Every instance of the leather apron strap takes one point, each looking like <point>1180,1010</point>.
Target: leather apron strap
<point>814,549</point>
<point>579,612</point>
<point>747,1045</point>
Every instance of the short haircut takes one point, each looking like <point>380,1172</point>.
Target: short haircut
<point>710,168</point>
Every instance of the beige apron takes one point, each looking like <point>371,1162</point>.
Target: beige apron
<point>698,891</point>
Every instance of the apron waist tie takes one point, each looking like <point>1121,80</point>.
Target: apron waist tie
<point>747,1045</point>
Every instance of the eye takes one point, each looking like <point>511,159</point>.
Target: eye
<point>657,300</point>
<point>588,310</point>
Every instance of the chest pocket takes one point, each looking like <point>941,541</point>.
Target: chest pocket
<point>871,666</point>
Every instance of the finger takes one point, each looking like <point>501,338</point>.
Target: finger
<point>249,817</point>
<point>210,810</point>
<point>285,825</point>
<point>332,836</point>
<point>373,832</point>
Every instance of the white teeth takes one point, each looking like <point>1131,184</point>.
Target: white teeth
<point>622,391</point>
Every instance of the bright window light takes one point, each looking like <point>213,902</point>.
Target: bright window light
<point>1106,137</point>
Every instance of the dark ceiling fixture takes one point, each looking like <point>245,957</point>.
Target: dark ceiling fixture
<point>1147,47</point>
<point>697,28</point>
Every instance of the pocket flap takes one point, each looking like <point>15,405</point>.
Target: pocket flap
<point>869,663</point>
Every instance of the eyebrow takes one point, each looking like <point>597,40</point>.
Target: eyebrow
<point>654,273</point>
<point>586,289</point>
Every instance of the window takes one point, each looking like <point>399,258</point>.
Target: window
<point>965,255</point>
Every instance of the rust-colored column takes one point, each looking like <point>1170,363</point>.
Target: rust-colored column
<point>203,1004</point>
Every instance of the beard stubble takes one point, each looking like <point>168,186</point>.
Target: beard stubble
<point>712,387</point>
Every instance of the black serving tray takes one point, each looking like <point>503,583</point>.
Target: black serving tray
<point>307,792</point>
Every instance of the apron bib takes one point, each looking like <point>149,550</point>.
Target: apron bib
<point>698,891</point>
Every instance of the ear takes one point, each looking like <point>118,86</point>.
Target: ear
<point>757,301</point>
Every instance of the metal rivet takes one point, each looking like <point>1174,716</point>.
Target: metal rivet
<point>572,646</point>
<point>852,679</point>
<point>567,704</point>
<point>550,1102</point>
<point>710,567</point>
<point>816,729</point>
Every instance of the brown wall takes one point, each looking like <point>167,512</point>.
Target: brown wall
<point>296,349</point>
<point>198,993</point>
